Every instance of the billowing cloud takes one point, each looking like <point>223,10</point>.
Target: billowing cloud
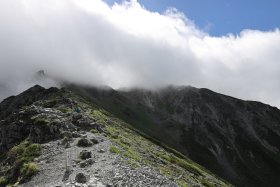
<point>126,45</point>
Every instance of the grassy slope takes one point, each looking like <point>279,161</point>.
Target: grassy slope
<point>121,107</point>
<point>19,166</point>
<point>144,150</point>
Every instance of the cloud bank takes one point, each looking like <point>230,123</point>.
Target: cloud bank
<point>126,45</point>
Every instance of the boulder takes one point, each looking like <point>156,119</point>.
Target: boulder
<point>94,140</point>
<point>85,154</point>
<point>86,163</point>
<point>84,142</point>
<point>81,178</point>
<point>76,116</point>
<point>67,134</point>
<point>83,164</point>
<point>101,151</point>
<point>75,134</point>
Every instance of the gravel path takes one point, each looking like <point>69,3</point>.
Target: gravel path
<point>108,169</point>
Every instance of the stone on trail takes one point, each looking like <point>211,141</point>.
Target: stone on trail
<point>81,178</point>
<point>85,154</point>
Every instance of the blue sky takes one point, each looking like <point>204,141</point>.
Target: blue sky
<point>220,17</point>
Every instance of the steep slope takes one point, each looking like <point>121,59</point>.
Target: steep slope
<point>44,142</point>
<point>238,140</point>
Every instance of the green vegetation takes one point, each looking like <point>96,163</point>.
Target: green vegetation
<point>184,164</point>
<point>28,170</point>
<point>182,183</point>
<point>21,166</point>
<point>100,117</point>
<point>206,183</point>
<point>39,120</point>
<point>3,181</point>
<point>132,154</point>
<point>133,163</point>
<point>170,170</point>
<point>25,150</point>
<point>94,131</point>
<point>64,110</point>
<point>113,132</point>
<point>124,141</point>
<point>114,149</point>
<point>32,151</point>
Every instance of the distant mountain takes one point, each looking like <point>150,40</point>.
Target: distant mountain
<point>237,140</point>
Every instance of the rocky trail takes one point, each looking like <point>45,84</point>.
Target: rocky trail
<point>102,168</point>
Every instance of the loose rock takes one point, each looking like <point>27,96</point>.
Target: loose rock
<point>85,154</point>
<point>81,178</point>
<point>94,140</point>
<point>83,142</point>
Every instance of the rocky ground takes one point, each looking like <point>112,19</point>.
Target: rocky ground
<point>107,169</point>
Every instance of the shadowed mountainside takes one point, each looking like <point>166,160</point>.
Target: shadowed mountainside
<point>238,140</point>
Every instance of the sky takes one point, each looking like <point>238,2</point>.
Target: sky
<point>221,17</point>
<point>142,44</point>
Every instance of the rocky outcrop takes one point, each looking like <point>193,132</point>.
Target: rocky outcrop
<point>36,93</point>
<point>33,115</point>
<point>35,123</point>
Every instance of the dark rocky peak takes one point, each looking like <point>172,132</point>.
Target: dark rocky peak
<point>26,98</point>
<point>41,74</point>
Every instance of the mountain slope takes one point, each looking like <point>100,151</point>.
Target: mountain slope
<point>238,140</point>
<point>41,136</point>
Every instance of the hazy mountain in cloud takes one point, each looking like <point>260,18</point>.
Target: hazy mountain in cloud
<point>39,77</point>
<point>89,42</point>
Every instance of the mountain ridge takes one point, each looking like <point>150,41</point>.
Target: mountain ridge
<point>235,139</point>
<point>41,126</point>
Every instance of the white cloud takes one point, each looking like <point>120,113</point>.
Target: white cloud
<point>87,41</point>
